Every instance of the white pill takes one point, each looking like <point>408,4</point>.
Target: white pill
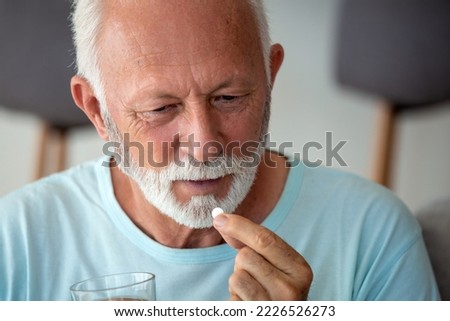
<point>216,212</point>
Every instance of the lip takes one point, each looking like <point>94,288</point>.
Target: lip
<point>202,187</point>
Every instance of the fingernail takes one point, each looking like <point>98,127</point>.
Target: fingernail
<point>220,220</point>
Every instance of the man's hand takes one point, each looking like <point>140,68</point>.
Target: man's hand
<point>266,267</point>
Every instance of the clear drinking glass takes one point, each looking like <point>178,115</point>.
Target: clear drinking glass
<point>135,286</point>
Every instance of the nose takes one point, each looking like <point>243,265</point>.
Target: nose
<point>201,137</point>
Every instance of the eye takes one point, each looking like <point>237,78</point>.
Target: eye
<point>160,109</point>
<point>230,102</point>
<point>226,98</point>
<point>164,109</point>
<point>160,113</point>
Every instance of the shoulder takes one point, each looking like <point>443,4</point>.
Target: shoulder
<point>52,191</point>
<point>358,201</point>
<point>342,185</point>
<point>364,232</point>
<point>335,180</point>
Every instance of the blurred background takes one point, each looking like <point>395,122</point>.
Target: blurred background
<point>308,101</point>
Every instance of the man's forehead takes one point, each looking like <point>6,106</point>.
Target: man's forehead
<point>173,32</point>
<point>180,16</point>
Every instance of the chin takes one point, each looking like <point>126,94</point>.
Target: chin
<point>195,214</point>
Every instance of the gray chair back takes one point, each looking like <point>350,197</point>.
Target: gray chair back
<point>36,60</point>
<point>398,50</point>
<point>435,222</point>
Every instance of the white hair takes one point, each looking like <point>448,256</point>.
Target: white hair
<point>86,26</point>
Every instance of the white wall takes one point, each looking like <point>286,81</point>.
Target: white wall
<point>306,104</point>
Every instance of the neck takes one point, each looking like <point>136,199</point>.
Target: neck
<point>261,199</point>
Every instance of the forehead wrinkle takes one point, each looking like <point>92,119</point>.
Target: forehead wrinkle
<point>207,29</point>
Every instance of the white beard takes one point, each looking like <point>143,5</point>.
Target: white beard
<point>195,213</point>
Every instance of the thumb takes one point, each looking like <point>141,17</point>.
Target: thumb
<point>220,223</point>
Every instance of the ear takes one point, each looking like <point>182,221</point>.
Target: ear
<point>276,59</point>
<point>85,99</point>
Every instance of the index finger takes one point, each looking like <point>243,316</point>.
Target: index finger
<point>269,245</point>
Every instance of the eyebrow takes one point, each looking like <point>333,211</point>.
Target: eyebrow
<point>158,94</point>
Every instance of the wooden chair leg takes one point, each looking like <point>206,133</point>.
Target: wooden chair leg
<point>62,149</point>
<point>384,145</point>
<point>52,151</point>
<point>44,138</point>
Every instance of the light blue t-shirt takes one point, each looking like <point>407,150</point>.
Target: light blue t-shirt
<point>361,241</point>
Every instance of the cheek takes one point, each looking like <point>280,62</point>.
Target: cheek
<point>244,135</point>
<point>154,147</point>
<point>242,130</point>
<point>246,126</point>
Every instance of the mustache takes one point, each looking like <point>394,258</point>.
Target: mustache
<point>189,168</point>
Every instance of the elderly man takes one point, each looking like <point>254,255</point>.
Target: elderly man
<point>181,90</point>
